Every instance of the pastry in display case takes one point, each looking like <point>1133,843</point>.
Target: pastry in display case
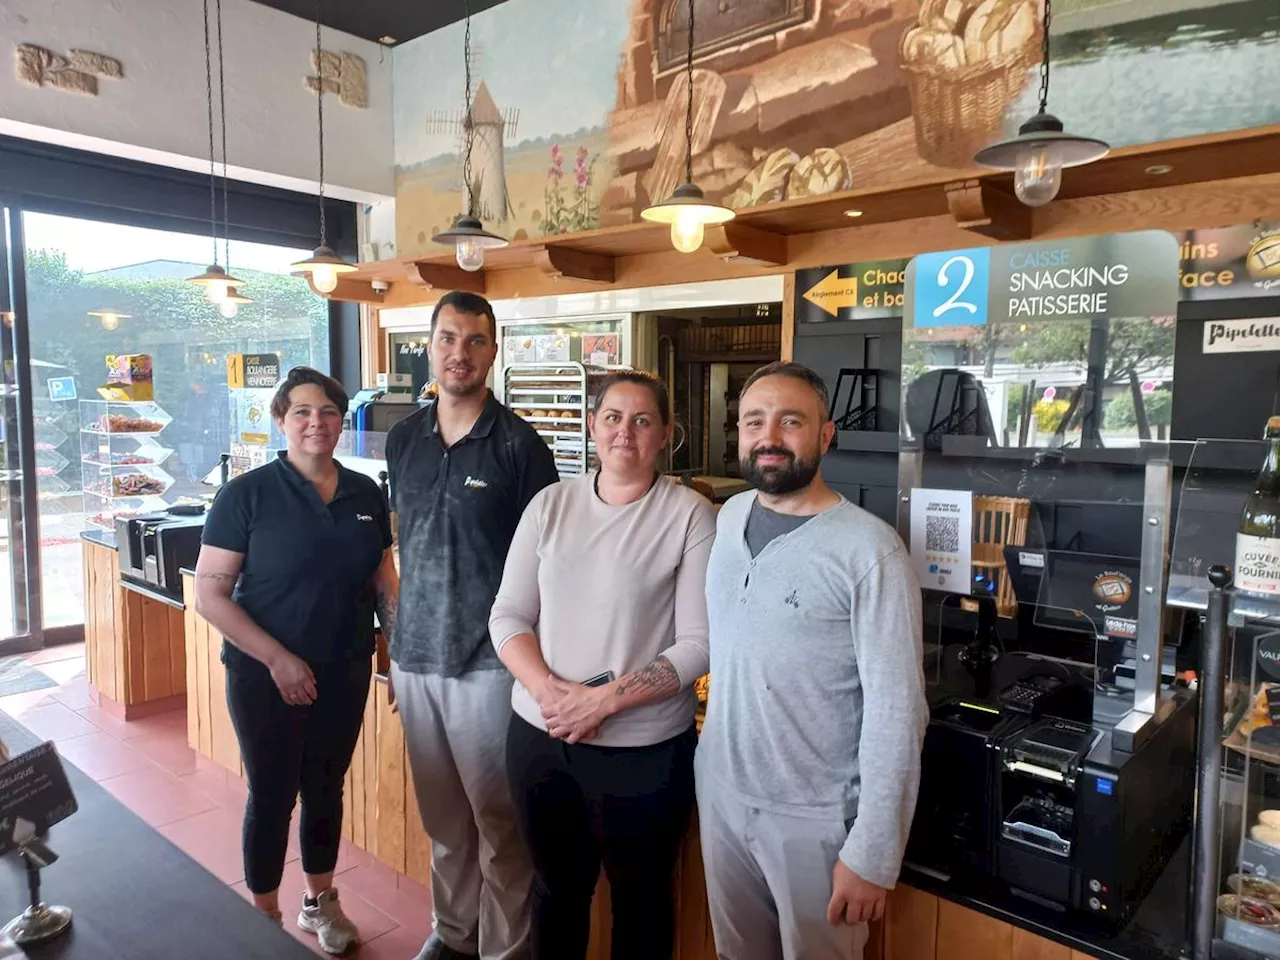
<point>1228,531</point>
<point>121,460</point>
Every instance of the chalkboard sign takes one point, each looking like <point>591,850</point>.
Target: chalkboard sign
<point>34,795</point>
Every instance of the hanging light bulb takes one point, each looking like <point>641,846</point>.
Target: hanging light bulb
<point>1042,148</point>
<point>470,240</point>
<point>215,280</point>
<point>687,232</point>
<point>324,265</point>
<point>231,303</point>
<point>110,319</point>
<point>467,236</point>
<point>687,209</point>
<point>1038,174</point>
<point>688,212</point>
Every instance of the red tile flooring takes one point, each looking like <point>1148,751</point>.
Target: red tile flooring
<point>198,805</point>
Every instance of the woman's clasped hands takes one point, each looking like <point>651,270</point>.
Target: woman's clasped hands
<point>574,712</point>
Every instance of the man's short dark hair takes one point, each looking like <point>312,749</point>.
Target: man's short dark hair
<point>796,371</point>
<point>300,376</point>
<point>640,379</point>
<point>469,303</point>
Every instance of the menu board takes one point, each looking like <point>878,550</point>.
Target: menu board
<point>601,349</point>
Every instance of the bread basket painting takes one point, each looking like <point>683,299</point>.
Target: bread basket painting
<point>966,61</point>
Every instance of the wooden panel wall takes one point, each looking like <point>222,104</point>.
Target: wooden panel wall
<point>135,647</point>
<point>101,571</point>
<point>209,729</point>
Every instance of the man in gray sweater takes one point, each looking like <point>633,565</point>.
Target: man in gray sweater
<point>809,761</point>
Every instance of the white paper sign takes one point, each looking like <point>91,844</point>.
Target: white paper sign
<point>1242,336</point>
<point>942,539</point>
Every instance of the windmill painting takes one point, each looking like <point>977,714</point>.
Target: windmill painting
<point>492,127</point>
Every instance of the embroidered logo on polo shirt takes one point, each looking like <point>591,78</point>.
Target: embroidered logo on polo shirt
<point>475,483</point>
<point>793,600</point>
<point>365,517</point>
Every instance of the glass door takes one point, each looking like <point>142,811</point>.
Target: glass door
<point>20,614</point>
<point>98,289</point>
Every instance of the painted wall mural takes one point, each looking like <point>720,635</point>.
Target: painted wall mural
<point>578,105</point>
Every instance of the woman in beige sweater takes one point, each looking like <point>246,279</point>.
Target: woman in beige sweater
<point>602,619</point>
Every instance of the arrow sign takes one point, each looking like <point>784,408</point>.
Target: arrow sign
<point>833,292</point>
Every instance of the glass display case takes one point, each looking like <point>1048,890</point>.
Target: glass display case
<point>122,460</point>
<point>1238,900</point>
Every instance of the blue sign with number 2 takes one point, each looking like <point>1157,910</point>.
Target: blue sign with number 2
<point>951,288</point>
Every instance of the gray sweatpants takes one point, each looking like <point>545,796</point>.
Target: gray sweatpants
<point>769,882</point>
<point>455,730</point>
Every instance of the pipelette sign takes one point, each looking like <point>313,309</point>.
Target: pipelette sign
<point>1242,336</point>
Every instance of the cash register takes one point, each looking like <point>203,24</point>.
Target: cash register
<point>1025,785</point>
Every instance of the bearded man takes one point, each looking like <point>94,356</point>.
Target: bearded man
<point>809,761</point>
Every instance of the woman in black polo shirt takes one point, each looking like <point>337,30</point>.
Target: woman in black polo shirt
<point>296,555</point>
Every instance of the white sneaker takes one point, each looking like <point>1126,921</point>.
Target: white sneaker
<point>336,933</point>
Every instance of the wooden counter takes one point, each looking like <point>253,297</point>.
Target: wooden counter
<point>382,818</point>
<point>134,640</point>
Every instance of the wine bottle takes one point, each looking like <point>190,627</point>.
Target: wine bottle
<point>1257,568</point>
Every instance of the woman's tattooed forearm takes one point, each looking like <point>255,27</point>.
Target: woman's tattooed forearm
<point>658,677</point>
<point>224,577</point>
<point>387,602</point>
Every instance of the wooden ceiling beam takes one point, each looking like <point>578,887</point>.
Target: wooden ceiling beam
<point>737,242</point>
<point>1175,185</point>
<point>443,277</point>
<point>981,207</point>
<point>566,263</point>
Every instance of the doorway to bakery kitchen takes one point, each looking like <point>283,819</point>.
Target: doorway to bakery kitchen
<point>705,356</point>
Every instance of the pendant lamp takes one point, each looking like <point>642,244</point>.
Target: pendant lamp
<point>233,299</point>
<point>324,264</point>
<point>1042,148</point>
<point>687,209</point>
<point>468,236</point>
<point>215,280</point>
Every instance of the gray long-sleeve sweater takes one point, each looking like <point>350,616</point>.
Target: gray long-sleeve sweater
<point>817,706</point>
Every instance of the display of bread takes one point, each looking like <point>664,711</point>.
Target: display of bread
<point>951,34</point>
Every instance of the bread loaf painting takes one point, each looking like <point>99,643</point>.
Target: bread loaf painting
<point>767,182</point>
<point>958,33</point>
<point>966,61</point>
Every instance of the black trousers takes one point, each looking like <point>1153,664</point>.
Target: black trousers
<point>581,806</point>
<point>289,750</point>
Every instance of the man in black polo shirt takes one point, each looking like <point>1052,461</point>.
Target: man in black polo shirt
<point>462,471</point>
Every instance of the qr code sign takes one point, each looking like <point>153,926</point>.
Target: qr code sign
<point>942,534</point>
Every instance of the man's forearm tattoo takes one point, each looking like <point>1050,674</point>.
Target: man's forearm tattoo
<point>224,577</point>
<point>658,677</point>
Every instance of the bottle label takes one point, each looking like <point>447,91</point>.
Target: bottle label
<point>1258,564</point>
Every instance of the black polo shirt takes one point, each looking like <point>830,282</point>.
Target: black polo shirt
<point>308,565</point>
<point>457,510</point>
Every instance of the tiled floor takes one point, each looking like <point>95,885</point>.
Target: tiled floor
<point>198,806</point>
